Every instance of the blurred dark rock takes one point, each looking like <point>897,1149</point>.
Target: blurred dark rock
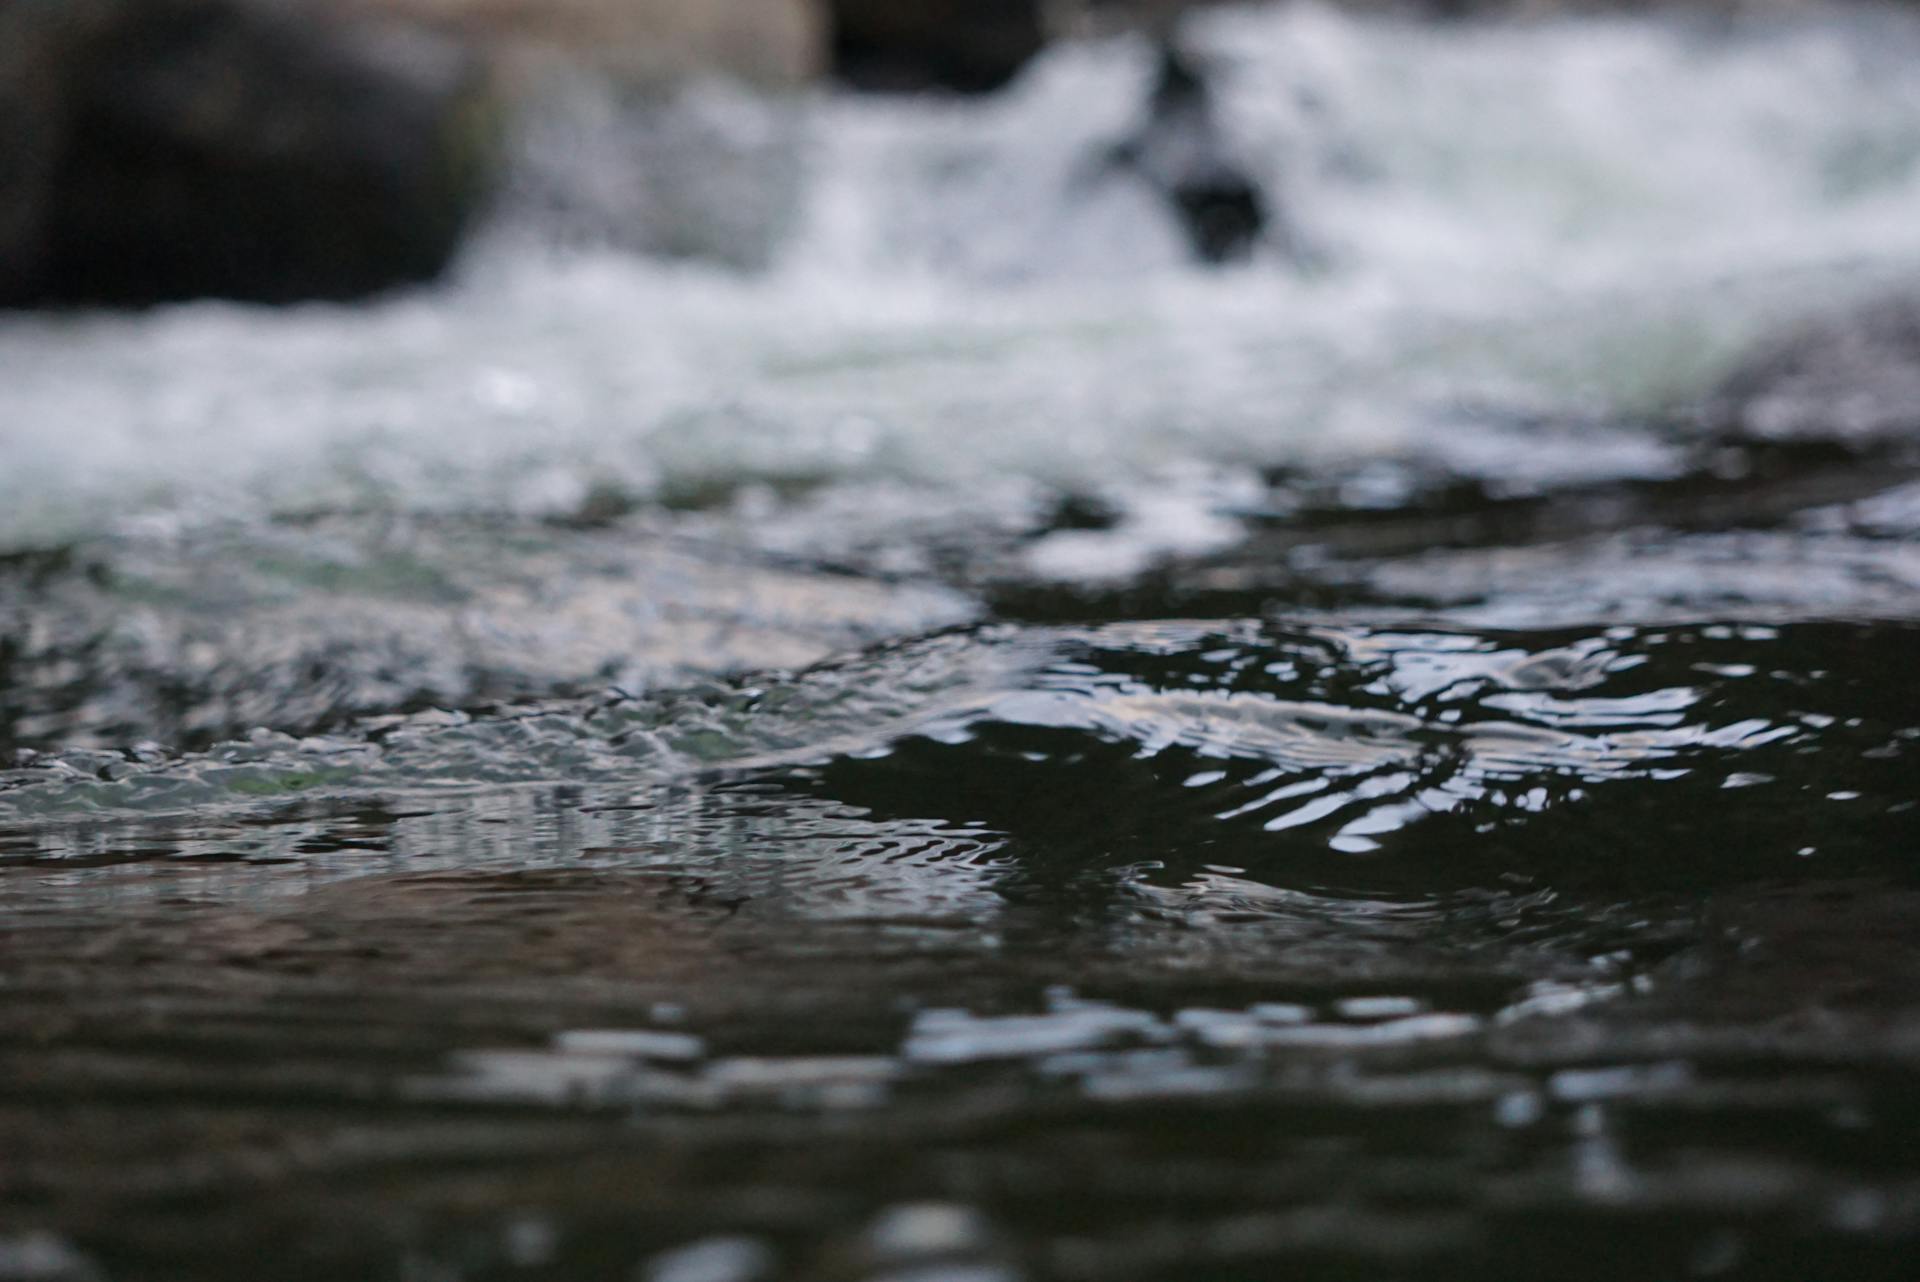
<point>1179,150</point>
<point>37,38</point>
<point>1852,376</point>
<point>967,45</point>
<point>228,148</point>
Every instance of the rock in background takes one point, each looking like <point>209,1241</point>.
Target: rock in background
<point>966,45</point>
<point>279,150</point>
<point>31,51</point>
<point>770,43</point>
<point>165,149</point>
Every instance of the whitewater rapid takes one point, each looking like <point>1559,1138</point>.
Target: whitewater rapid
<point>960,316</point>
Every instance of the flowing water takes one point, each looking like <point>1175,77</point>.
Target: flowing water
<point>830,708</point>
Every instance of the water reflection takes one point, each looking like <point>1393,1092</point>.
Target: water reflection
<point>1149,950</point>
<point>1251,740</point>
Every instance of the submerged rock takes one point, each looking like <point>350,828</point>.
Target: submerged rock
<point>229,148</point>
<point>307,625</point>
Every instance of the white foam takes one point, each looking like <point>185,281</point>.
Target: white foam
<point>1566,213</point>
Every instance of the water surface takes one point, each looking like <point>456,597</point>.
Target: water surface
<point>972,749</point>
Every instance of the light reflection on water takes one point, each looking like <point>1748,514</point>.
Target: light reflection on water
<point>1025,946</point>
<point>1274,726</point>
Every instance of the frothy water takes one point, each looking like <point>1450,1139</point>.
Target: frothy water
<point>1572,213</point>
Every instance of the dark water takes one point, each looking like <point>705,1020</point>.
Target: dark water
<point>1382,941</point>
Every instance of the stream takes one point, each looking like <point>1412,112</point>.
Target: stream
<point>842,711</point>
